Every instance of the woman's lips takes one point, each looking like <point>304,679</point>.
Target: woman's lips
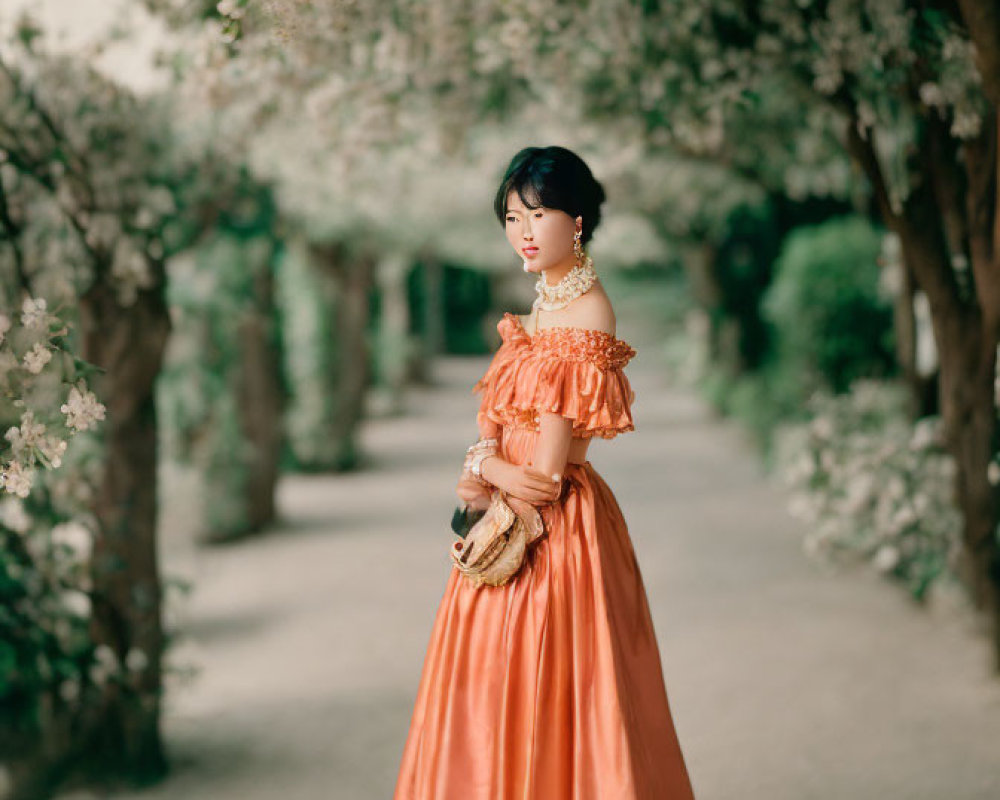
<point>529,252</point>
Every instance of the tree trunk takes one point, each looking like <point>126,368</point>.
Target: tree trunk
<point>394,349</point>
<point>699,266</point>
<point>260,399</point>
<point>123,738</point>
<point>432,343</point>
<point>966,333</point>
<point>967,368</point>
<point>352,276</point>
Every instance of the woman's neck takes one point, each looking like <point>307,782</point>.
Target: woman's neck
<point>559,271</point>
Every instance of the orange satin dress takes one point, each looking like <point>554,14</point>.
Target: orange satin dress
<point>551,686</point>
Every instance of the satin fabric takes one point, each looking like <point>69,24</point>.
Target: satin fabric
<point>551,686</point>
<point>574,372</point>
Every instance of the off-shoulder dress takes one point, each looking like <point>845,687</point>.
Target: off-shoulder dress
<point>549,687</point>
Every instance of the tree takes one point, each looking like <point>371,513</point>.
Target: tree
<point>911,91</point>
<point>94,197</point>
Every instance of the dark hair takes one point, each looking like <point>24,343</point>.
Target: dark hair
<point>553,177</point>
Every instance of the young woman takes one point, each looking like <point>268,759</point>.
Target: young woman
<point>549,687</point>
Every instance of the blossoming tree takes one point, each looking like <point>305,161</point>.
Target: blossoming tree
<point>912,93</point>
<point>95,195</point>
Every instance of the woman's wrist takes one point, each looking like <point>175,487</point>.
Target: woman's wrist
<point>474,457</point>
<point>487,469</point>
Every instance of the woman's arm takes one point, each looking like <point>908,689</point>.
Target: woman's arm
<point>552,445</point>
<point>470,491</point>
<point>540,481</point>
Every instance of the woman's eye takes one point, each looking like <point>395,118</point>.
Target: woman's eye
<point>511,219</point>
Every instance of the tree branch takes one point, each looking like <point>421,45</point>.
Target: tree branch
<point>13,230</point>
<point>864,154</point>
<point>982,22</point>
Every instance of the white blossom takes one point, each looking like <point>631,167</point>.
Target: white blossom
<point>966,125</point>
<point>821,427</point>
<point>33,313</point>
<point>52,450</point>
<point>895,489</point>
<point>904,517</point>
<point>859,492</point>
<point>886,557</point>
<point>931,95</point>
<point>15,479</point>
<point>82,409</point>
<point>36,358</point>
<point>24,438</point>
<point>136,660</point>
<point>105,664</point>
<point>828,76</point>
<point>13,515</point>
<point>75,536</point>
<point>69,690</point>
<point>924,434</point>
<point>76,602</point>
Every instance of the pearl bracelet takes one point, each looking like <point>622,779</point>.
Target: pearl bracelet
<point>475,455</point>
<point>476,466</point>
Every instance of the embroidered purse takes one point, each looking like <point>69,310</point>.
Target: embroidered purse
<point>494,548</point>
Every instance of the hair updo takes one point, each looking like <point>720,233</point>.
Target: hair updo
<point>553,177</point>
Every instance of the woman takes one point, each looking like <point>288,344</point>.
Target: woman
<point>550,686</point>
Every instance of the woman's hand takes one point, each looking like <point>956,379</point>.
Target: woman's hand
<point>472,493</point>
<point>521,480</point>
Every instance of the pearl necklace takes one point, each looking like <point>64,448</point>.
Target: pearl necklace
<point>574,283</point>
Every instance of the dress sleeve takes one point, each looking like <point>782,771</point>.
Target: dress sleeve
<point>512,346</point>
<point>598,399</point>
<point>571,372</point>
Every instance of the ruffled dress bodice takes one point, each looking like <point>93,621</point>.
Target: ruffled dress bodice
<point>574,372</point>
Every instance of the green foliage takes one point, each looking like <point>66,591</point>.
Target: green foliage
<point>45,651</point>
<point>829,326</point>
<point>466,298</point>
<point>760,400</point>
<point>212,291</point>
<point>832,323</point>
<point>321,433</point>
<point>49,665</point>
<point>743,264</point>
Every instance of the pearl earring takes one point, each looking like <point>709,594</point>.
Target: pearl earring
<point>526,267</point>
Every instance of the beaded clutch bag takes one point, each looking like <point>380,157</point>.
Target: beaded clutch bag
<point>494,549</point>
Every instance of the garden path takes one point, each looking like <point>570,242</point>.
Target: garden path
<point>787,682</point>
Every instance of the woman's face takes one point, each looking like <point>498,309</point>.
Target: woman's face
<point>543,237</point>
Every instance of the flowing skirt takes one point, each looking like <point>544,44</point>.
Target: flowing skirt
<point>551,686</point>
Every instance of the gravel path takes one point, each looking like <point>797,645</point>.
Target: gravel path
<point>787,682</point>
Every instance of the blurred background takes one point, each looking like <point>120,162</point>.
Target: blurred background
<point>249,272</point>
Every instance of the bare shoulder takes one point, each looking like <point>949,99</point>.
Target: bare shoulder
<point>592,310</point>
